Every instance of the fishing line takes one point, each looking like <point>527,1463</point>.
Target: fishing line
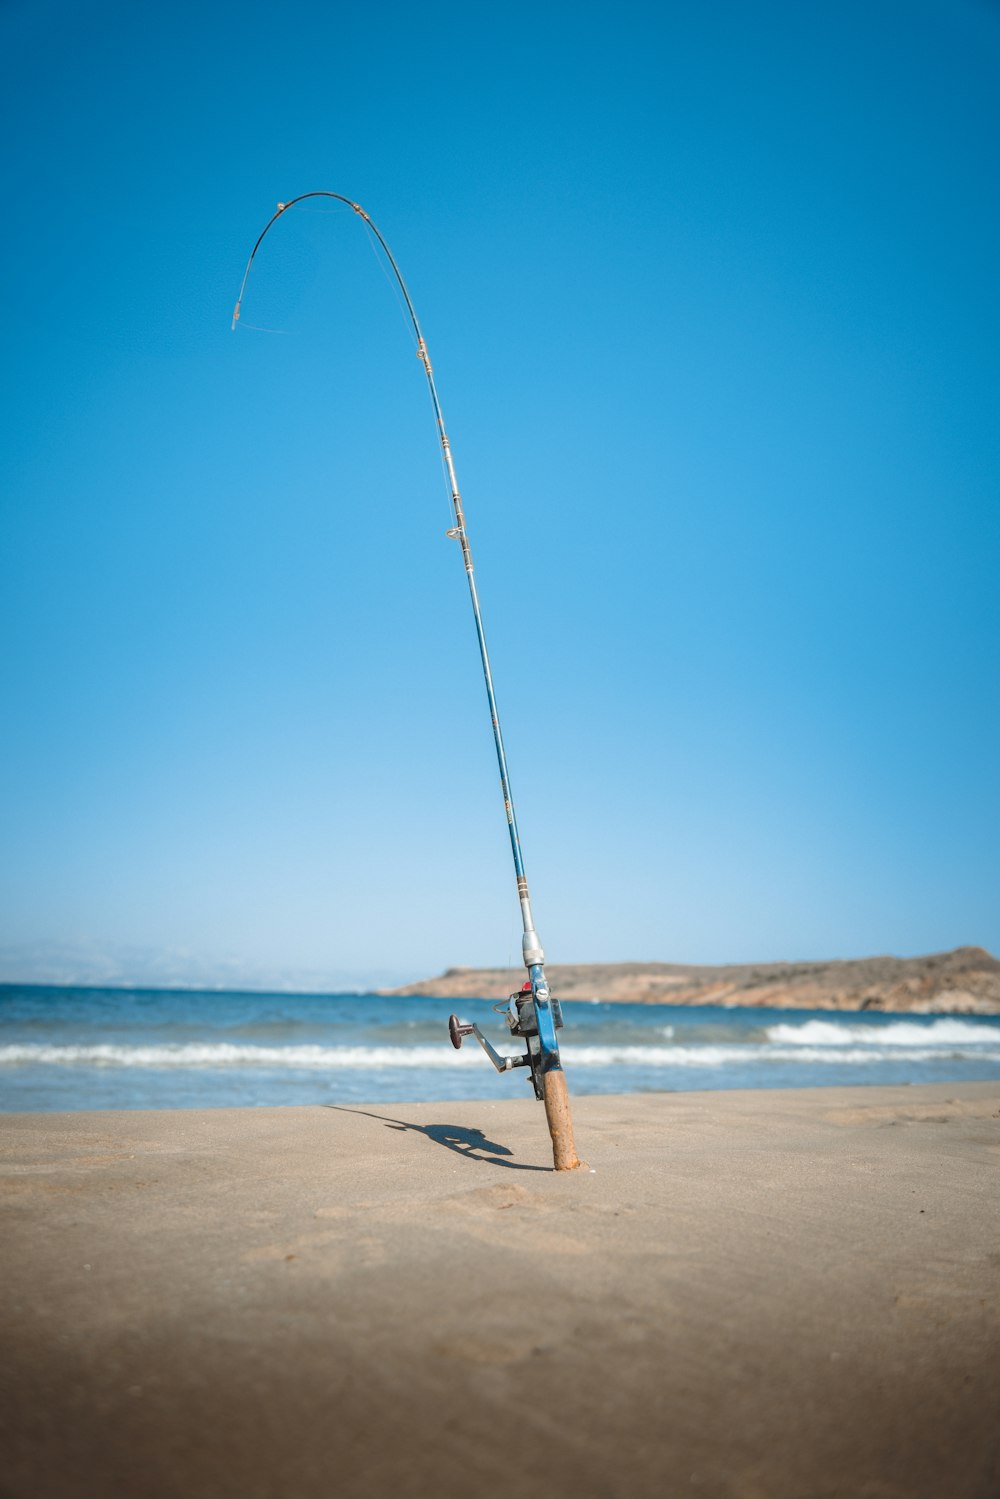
<point>397,298</point>
<point>401,305</point>
<point>380,262</point>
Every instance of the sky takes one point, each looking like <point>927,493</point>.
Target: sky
<point>711,297</point>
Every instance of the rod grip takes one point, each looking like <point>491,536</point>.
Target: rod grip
<point>560,1121</point>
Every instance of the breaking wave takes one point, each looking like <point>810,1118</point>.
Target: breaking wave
<point>224,1054</point>
<point>815,1041</point>
<point>721,1056</point>
<point>946,1032</point>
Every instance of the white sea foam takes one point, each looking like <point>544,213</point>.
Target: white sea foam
<point>382,1058</point>
<point>721,1056</point>
<point>659,1056</point>
<point>945,1032</point>
<point>224,1054</point>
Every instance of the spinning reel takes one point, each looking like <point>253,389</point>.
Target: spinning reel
<point>521,1016</point>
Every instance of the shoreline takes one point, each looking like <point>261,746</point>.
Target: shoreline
<point>748,1294</point>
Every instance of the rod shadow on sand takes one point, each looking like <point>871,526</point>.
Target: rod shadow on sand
<point>470,1143</point>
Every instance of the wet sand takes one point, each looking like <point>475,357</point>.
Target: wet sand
<point>751,1295</point>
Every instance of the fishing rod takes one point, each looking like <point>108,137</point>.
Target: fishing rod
<point>533,1014</point>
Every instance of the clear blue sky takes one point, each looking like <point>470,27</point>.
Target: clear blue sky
<point>711,295</point>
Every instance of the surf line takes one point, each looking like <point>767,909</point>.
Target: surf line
<point>532,1015</point>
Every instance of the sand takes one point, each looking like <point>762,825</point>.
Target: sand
<point>751,1294</point>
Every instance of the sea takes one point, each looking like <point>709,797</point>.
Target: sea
<point>65,1048</point>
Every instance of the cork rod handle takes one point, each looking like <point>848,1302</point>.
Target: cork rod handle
<point>560,1121</point>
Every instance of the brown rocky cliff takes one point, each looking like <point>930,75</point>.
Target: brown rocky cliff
<point>965,981</point>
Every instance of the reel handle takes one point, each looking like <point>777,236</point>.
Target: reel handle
<point>458,1032</point>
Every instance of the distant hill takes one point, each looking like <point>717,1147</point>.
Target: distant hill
<point>965,981</point>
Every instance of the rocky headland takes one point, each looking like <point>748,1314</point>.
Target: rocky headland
<point>965,981</point>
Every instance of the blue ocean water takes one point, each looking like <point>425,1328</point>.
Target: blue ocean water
<point>76,1048</point>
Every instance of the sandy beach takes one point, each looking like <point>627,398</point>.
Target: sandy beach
<point>749,1294</point>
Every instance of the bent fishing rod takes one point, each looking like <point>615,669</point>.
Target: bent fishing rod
<point>533,1014</point>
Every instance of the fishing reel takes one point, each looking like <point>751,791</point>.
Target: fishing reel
<point>522,1021</point>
